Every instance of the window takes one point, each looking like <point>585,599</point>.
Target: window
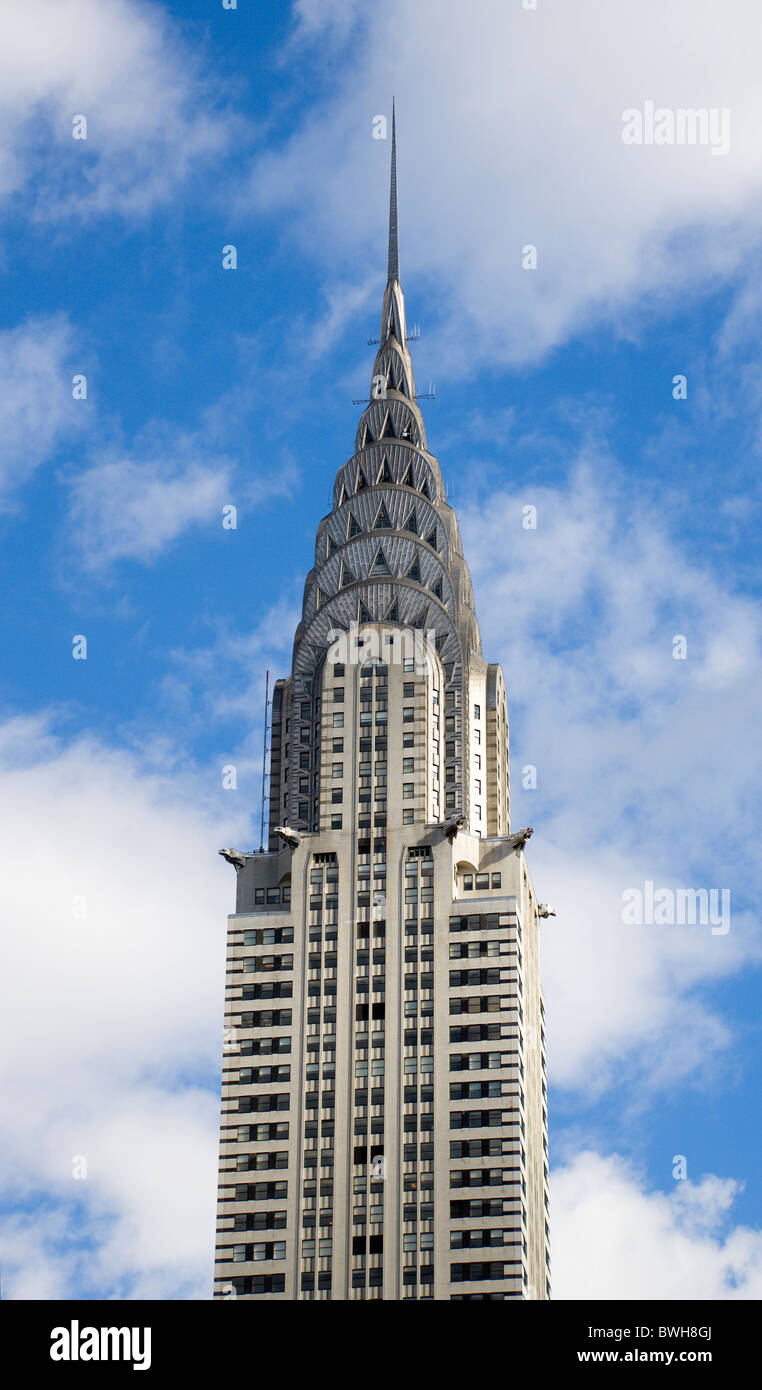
<point>338,771</point>
<point>408,664</point>
<point>338,720</point>
<point>408,690</point>
<point>482,880</point>
<point>407,816</point>
<point>477,711</point>
<point>338,694</point>
<point>496,881</point>
<point>338,669</point>
<point>269,1250</point>
<point>408,740</point>
<point>335,822</point>
<point>468,883</point>
<point>337,795</point>
<point>408,714</point>
<point>408,789</point>
<point>478,812</point>
<point>477,783</point>
<point>408,764</point>
<point>338,745</point>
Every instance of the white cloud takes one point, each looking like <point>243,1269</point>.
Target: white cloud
<point>322,17</point>
<point>647,767</point>
<point>509,134</point>
<point>37,409</point>
<point>121,64</point>
<point>124,509</point>
<point>120,1062</point>
<point>613,1239</point>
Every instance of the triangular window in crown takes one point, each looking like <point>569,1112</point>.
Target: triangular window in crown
<point>415,571</point>
<point>387,430</point>
<point>362,481</point>
<point>382,521</point>
<point>407,477</point>
<point>342,496</point>
<point>354,529</point>
<point>441,638</point>
<point>385,474</point>
<point>393,616</point>
<point>347,576</point>
<point>426,490</point>
<point>431,539</point>
<point>437,589</point>
<point>419,621</point>
<point>411,524</point>
<point>379,565</point>
<point>363,615</point>
<point>333,546</point>
<point>449,667</point>
<point>320,597</point>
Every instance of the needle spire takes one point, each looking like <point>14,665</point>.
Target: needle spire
<point>394,257</point>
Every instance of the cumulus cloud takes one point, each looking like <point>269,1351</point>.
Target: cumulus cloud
<point>511,134</point>
<point>121,64</point>
<point>646,769</point>
<point>615,1239</point>
<point>114,910</point>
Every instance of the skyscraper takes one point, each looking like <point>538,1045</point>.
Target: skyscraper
<point>384,1112</point>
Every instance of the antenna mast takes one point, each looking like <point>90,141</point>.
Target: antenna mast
<point>264,763</point>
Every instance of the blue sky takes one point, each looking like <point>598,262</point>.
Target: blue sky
<point>208,387</point>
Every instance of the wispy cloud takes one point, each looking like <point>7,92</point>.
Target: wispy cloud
<point>37,408</point>
<point>643,762</point>
<point>145,95</point>
<point>525,162</point>
<point>127,509</point>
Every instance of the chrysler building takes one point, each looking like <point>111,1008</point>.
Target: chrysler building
<point>384,1105</point>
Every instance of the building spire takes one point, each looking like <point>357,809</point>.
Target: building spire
<point>393,365</point>
<point>394,257</point>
